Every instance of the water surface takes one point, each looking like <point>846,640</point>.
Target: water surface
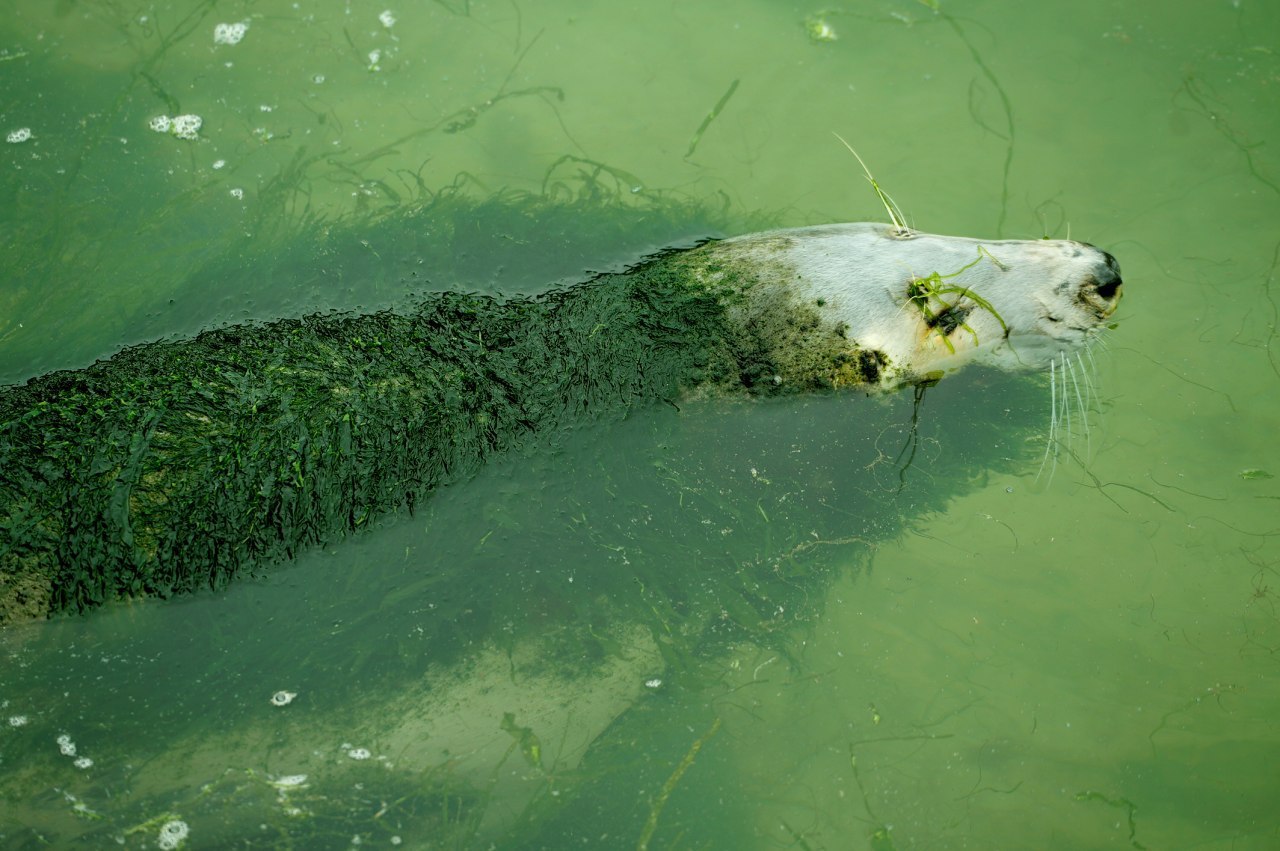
<point>732,626</point>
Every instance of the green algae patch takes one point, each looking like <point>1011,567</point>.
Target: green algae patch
<point>177,465</point>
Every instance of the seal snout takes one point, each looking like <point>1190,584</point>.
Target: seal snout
<point>1106,282</point>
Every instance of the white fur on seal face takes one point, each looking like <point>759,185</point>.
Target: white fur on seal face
<point>1016,303</point>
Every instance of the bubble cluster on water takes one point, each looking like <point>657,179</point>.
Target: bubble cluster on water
<point>18,136</point>
<point>68,748</point>
<point>183,126</point>
<point>230,33</point>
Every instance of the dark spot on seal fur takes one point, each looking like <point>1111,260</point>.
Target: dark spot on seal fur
<point>948,321</point>
<point>870,363</point>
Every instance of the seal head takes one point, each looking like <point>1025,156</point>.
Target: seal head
<point>869,304</point>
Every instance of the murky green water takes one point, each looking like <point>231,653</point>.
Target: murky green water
<point>695,629</point>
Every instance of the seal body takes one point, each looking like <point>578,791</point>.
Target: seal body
<point>176,465</point>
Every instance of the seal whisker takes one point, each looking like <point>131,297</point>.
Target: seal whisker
<point>1087,372</point>
<point>1072,390</point>
<point>1064,399</point>
<point>1080,405</point>
<point>1050,443</point>
<point>1091,394</point>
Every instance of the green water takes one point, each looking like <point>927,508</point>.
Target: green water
<point>1081,660</point>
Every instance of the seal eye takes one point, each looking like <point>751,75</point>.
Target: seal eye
<point>950,319</point>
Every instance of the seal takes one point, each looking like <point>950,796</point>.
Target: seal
<point>175,465</point>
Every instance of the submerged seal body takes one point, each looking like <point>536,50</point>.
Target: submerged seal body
<point>175,465</point>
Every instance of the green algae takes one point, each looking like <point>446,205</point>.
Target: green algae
<point>176,465</point>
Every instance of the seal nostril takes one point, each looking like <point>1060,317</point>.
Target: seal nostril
<point>1107,282</point>
<point>1109,290</point>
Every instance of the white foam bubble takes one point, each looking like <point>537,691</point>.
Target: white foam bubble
<point>387,18</point>
<point>230,33</point>
<point>18,136</point>
<point>172,834</point>
<point>183,126</point>
<point>289,781</point>
<point>187,126</point>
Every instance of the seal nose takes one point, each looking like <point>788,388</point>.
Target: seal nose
<point>1106,281</point>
